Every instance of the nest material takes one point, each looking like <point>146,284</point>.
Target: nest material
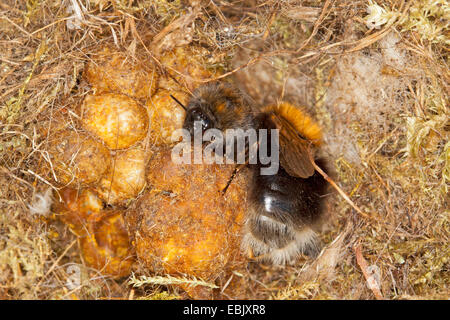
<point>374,75</point>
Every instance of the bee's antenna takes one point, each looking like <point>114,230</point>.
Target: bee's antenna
<point>178,101</point>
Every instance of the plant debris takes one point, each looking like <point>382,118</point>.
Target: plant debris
<point>374,74</point>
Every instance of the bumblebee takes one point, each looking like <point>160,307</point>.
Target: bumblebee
<point>285,207</point>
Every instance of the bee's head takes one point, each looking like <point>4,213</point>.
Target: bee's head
<point>199,116</point>
<point>214,105</point>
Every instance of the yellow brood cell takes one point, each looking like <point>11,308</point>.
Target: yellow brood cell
<point>77,158</point>
<point>114,71</point>
<point>115,118</point>
<point>125,178</point>
<point>166,115</point>
<point>102,233</point>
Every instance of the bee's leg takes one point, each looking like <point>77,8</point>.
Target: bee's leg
<point>264,260</point>
<point>224,190</point>
<point>235,172</point>
<point>251,255</point>
<point>261,258</point>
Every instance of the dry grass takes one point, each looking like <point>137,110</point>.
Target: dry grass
<point>374,73</point>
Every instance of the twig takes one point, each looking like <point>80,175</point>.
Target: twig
<point>168,280</point>
<point>369,278</point>
<point>335,186</point>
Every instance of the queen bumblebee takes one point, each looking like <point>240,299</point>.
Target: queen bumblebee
<point>285,207</point>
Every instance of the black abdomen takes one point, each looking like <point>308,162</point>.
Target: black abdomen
<point>284,208</point>
<point>293,200</point>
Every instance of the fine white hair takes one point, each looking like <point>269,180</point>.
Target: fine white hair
<point>41,203</point>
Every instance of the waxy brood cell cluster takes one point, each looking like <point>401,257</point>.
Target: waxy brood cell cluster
<point>103,237</point>
<point>119,151</point>
<point>185,225</point>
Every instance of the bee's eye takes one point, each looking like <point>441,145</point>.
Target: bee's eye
<point>206,124</point>
<point>196,115</point>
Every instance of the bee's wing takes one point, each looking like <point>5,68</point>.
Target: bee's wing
<point>294,156</point>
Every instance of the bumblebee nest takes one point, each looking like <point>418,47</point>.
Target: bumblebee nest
<point>375,76</point>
